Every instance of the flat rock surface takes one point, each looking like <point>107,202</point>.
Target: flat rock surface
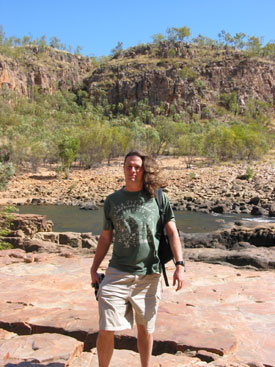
<point>222,313</point>
<point>40,349</point>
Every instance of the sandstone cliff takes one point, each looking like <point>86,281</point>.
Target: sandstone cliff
<point>194,77</point>
<point>46,68</point>
<point>171,76</point>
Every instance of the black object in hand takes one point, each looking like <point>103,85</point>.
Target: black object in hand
<point>96,285</point>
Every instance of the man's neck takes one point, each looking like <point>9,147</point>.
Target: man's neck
<point>133,188</point>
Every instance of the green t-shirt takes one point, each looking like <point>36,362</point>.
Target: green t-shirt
<point>135,219</point>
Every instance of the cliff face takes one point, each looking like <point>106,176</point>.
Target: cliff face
<point>48,69</point>
<point>170,75</point>
<point>189,78</point>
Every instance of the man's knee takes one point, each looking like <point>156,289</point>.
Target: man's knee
<point>105,333</point>
<point>142,330</point>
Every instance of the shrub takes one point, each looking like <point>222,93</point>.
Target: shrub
<point>6,173</point>
<point>6,217</point>
<point>230,102</point>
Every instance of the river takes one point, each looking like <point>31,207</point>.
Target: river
<point>73,219</point>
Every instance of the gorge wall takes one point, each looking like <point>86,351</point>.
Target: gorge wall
<point>46,68</point>
<point>169,74</point>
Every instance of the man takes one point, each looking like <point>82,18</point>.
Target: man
<point>132,280</point>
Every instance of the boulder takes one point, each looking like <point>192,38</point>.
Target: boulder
<point>89,243</point>
<point>261,235</point>
<point>271,211</point>
<point>47,236</point>
<point>249,256</point>
<point>219,209</point>
<point>31,224</point>
<point>70,238</point>
<point>255,200</point>
<point>35,245</point>
<point>40,350</point>
<point>256,210</point>
<point>89,206</point>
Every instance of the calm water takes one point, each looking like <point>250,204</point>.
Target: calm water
<point>73,219</point>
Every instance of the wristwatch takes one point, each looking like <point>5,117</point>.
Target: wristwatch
<point>180,263</point>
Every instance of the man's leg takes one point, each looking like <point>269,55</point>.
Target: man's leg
<point>145,345</point>
<point>105,347</point>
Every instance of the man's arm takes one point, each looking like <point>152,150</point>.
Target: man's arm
<point>176,248</point>
<point>103,246</point>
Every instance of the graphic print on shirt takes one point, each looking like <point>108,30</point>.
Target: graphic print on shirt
<point>133,221</point>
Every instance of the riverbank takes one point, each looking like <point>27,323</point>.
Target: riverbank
<point>226,188</point>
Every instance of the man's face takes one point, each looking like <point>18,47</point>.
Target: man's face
<point>133,171</point>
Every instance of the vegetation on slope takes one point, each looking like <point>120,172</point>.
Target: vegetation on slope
<point>74,126</point>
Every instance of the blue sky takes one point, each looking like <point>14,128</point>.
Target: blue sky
<point>97,26</point>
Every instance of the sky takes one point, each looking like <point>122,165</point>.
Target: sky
<point>97,26</point>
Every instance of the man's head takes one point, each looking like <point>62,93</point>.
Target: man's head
<point>141,171</point>
<point>133,170</point>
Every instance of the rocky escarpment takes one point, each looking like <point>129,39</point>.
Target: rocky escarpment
<point>45,68</point>
<point>193,78</point>
<point>171,76</point>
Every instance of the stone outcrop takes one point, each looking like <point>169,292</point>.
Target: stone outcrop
<point>239,245</point>
<point>221,318</point>
<point>231,238</point>
<point>30,224</point>
<point>46,68</point>
<point>172,73</point>
<point>192,78</point>
<point>33,233</point>
<point>40,349</point>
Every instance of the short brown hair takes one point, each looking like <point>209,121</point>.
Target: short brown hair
<point>151,178</point>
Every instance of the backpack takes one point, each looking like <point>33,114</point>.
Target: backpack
<point>164,252</point>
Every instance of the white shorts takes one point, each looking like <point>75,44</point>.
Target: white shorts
<point>121,295</point>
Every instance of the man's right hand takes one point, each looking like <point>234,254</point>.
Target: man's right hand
<point>94,277</point>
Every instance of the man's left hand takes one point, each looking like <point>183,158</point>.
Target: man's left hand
<point>178,277</point>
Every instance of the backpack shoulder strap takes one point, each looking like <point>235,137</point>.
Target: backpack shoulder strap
<point>158,197</point>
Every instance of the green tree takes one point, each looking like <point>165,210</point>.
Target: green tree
<point>6,173</point>
<point>230,102</point>
<point>116,51</point>
<point>201,40</point>
<point>157,38</point>
<point>68,149</point>
<point>55,42</point>
<point>189,146</point>
<point>225,38</point>
<point>167,132</point>
<point>239,40</point>
<point>254,45</point>
<point>2,35</point>
<point>178,34</point>
<point>182,33</point>
<point>269,49</point>
<point>77,50</point>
